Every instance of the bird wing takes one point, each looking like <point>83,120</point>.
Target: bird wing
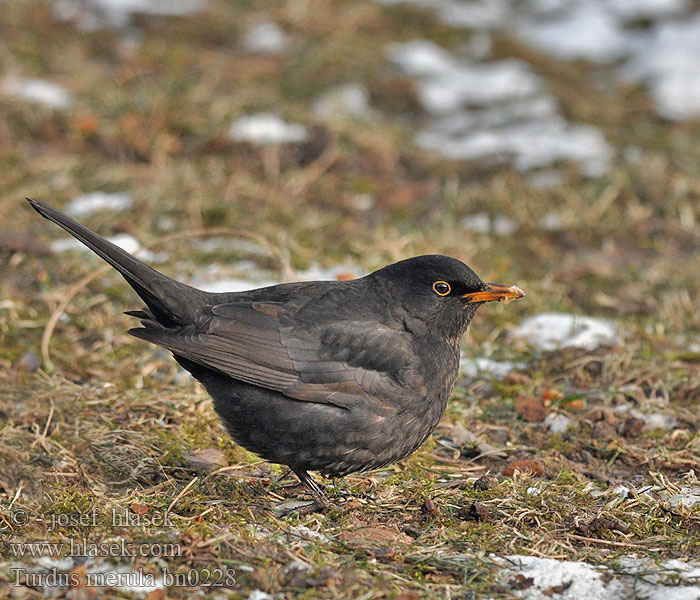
<point>345,363</point>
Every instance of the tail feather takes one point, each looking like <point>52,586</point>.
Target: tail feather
<point>169,301</point>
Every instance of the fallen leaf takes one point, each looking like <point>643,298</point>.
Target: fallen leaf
<point>139,509</point>
<point>531,466</point>
<point>530,408</point>
<point>373,537</point>
<point>205,458</point>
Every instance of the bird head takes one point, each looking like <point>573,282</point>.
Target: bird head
<point>440,293</point>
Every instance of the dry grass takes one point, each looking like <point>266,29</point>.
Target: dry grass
<point>108,427</point>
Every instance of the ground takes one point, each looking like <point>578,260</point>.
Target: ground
<point>107,425</point>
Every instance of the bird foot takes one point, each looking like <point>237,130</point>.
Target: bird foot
<point>321,502</point>
<point>302,508</point>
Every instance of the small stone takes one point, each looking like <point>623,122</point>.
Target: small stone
<point>599,524</point>
<point>205,458</point>
<point>412,530</point>
<point>487,482</point>
<point>429,506</point>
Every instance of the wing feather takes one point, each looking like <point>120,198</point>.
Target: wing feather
<point>347,364</point>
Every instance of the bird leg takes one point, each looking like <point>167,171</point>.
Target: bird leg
<point>291,489</point>
<point>321,500</point>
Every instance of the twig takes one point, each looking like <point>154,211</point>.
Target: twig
<point>181,494</point>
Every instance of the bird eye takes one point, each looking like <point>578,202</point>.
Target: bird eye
<point>442,288</point>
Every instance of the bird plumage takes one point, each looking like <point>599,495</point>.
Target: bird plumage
<point>329,376</point>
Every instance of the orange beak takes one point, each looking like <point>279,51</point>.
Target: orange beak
<point>493,292</point>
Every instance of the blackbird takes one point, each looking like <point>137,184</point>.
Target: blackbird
<point>328,376</point>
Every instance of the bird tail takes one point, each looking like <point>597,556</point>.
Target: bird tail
<point>169,301</point>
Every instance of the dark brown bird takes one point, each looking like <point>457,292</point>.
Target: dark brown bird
<point>329,376</point>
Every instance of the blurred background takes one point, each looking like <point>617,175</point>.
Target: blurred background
<point>552,144</point>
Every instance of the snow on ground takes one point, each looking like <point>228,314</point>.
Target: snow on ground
<point>58,576</point>
<point>550,331</point>
<point>335,273</point>
<point>267,37</point>
<point>658,41</point>
<point>686,497</point>
<point>474,367</point>
<point>484,223</point>
<point>557,423</point>
<point>123,240</point>
<point>88,204</point>
<point>534,578</point>
<point>266,128</point>
<point>216,278</point>
<point>496,110</point>
<point>38,91</point>
<point>89,15</point>
<point>232,284</point>
<point>669,63</point>
<point>349,100</point>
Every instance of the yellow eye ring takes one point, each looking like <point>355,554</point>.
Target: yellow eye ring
<point>442,288</point>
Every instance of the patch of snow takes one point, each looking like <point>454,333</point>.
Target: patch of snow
<point>479,14</point>
<point>350,100</point>
<point>656,420</point>
<point>557,423</point>
<point>479,45</point>
<point>264,38</point>
<point>61,564</point>
<point>634,10</point>
<point>123,240</point>
<point>587,31</point>
<point>687,497</point>
<point>89,15</point>
<point>101,574</point>
<point>231,285</point>
<point>483,223</point>
<point>551,222</point>
<point>550,331</point>
<point>547,179</point>
<point>259,595</point>
<point>38,91</point>
<point>305,534</point>
<point>632,578</point>
<point>88,204</point>
<point>266,128</point>
<point>473,367</point>
<point>529,145</point>
<point>494,110</point>
<point>622,491</point>
<point>299,566</point>
<point>421,58</point>
<point>669,64</point>
<point>214,244</point>
<point>659,39</point>
<point>447,83</point>
<point>334,273</point>
<point>583,580</point>
<point>663,580</point>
